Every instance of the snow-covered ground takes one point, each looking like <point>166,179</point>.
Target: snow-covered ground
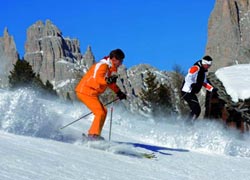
<point>32,146</point>
<point>236,80</point>
<point>24,158</point>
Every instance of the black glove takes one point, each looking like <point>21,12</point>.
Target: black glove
<point>121,95</point>
<point>194,86</point>
<point>111,79</point>
<point>214,90</point>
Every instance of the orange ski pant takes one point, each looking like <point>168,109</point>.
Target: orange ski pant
<point>98,109</point>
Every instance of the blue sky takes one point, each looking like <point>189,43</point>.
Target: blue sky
<point>162,33</point>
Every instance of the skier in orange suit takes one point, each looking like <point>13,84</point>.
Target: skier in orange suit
<point>100,76</point>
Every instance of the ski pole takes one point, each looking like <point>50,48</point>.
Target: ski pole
<point>110,125</point>
<point>85,115</point>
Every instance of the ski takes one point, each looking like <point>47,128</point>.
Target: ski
<point>149,155</point>
<point>117,148</point>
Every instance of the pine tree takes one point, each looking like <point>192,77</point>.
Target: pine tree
<point>45,88</point>
<point>49,88</point>
<point>164,103</point>
<point>148,94</point>
<point>68,97</point>
<point>37,83</point>
<point>22,74</point>
<point>156,96</point>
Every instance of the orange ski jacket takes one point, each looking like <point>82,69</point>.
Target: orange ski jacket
<point>93,83</point>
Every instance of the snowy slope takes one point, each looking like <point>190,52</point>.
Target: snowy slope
<point>25,158</point>
<point>32,146</point>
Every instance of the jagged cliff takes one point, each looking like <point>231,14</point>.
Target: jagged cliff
<point>55,57</point>
<point>228,33</point>
<point>8,57</point>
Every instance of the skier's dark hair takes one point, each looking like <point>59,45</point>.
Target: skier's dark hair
<point>117,53</point>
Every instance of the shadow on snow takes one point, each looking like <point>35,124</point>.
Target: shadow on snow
<point>153,148</point>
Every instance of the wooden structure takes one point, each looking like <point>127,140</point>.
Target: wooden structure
<point>220,106</point>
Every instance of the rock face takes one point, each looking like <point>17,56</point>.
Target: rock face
<point>48,52</point>
<point>54,57</point>
<point>88,58</point>
<point>228,33</point>
<point>131,81</point>
<point>8,57</point>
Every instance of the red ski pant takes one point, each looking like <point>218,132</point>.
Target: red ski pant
<point>98,109</point>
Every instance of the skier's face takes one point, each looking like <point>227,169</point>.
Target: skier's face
<point>116,62</point>
<point>206,66</point>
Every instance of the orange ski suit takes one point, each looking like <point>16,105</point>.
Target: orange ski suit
<point>92,84</point>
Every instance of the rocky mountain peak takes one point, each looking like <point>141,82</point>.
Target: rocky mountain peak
<point>88,58</point>
<point>8,57</point>
<point>46,48</point>
<point>51,30</point>
<point>6,32</point>
<point>228,33</point>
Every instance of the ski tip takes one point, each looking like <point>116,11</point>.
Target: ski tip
<point>149,155</point>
